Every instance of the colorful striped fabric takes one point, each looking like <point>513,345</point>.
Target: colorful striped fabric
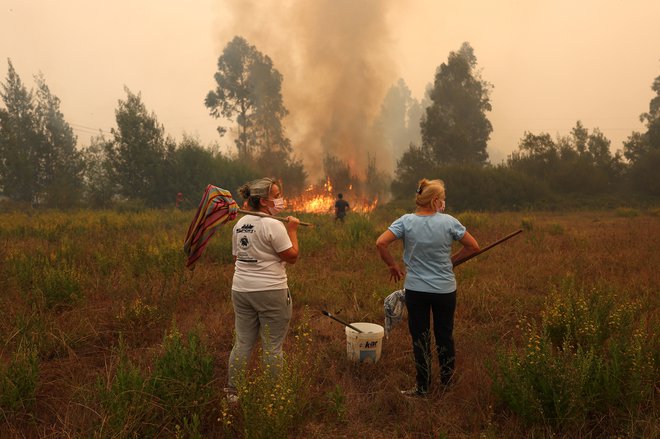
<point>217,207</point>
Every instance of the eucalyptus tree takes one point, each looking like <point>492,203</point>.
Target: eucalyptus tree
<point>21,156</point>
<point>643,149</point>
<point>62,163</point>
<point>39,162</point>
<point>139,151</point>
<point>248,93</point>
<point>455,128</point>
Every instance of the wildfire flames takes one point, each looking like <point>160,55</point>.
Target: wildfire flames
<point>322,200</point>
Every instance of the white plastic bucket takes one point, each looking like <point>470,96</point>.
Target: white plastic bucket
<point>365,346</point>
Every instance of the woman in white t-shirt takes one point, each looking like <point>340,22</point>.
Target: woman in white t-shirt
<point>428,235</point>
<point>261,247</point>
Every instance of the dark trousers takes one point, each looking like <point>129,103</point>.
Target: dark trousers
<point>420,305</point>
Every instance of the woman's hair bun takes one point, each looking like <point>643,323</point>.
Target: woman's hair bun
<point>420,186</point>
<point>244,191</point>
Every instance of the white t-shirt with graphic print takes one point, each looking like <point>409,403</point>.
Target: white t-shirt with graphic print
<point>256,242</point>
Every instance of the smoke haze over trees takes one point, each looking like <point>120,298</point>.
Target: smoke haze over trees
<point>445,137</point>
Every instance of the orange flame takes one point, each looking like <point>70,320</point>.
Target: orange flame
<point>322,200</point>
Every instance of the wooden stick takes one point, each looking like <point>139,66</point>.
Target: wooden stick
<point>488,247</point>
<point>265,215</point>
<point>337,319</point>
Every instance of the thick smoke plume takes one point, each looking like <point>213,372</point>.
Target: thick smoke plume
<point>333,55</point>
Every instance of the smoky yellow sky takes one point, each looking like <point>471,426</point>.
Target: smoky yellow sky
<point>551,62</point>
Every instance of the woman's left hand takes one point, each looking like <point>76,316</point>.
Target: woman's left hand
<point>396,274</point>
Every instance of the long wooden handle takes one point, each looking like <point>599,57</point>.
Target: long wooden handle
<point>337,319</point>
<point>488,247</point>
<point>265,215</point>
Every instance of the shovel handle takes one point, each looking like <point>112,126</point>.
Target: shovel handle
<point>265,215</point>
<point>326,313</point>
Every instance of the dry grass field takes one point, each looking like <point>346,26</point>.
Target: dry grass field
<point>106,334</point>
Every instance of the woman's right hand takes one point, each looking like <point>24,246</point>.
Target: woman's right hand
<point>396,274</point>
<point>291,223</point>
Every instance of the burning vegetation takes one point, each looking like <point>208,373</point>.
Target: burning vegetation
<point>321,198</point>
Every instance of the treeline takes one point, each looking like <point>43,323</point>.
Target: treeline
<point>543,172</point>
<point>138,163</point>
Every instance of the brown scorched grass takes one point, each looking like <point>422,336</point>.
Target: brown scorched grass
<point>76,286</point>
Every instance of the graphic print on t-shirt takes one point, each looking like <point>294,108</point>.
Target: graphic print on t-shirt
<point>244,243</point>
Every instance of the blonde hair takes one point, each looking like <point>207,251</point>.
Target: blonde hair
<point>427,190</point>
<point>254,190</point>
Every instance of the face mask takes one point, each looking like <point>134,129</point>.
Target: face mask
<point>277,207</point>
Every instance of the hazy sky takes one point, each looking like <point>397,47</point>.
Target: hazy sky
<point>551,62</point>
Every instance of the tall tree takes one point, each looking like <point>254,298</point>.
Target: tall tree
<point>398,121</point>
<point>98,184</point>
<point>455,127</point>
<point>62,163</point>
<point>21,154</point>
<point>643,149</point>
<point>138,152</point>
<point>249,92</point>
<point>415,163</point>
<point>580,136</point>
<point>652,117</point>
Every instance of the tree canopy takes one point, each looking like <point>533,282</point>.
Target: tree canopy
<point>248,92</point>
<point>39,162</point>
<point>139,150</point>
<point>399,118</point>
<point>455,128</point>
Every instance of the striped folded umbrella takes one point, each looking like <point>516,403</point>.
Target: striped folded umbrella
<point>217,207</point>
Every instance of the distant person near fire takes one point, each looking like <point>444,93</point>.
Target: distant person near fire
<point>341,207</point>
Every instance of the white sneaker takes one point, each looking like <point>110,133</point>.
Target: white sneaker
<point>231,395</point>
<point>415,392</point>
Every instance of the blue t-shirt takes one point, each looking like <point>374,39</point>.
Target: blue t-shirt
<point>427,244</point>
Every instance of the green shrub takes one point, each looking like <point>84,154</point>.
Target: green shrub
<point>590,357</point>
<point>182,378</point>
<point>472,220</point>
<point>527,223</point>
<point>18,380</point>
<point>359,231</point>
<point>125,400</point>
<point>626,212</point>
<point>556,229</point>
<point>137,316</point>
<point>25,269</point>
<point>272,399</point>
<point>174,397</point>
<point>59,286</point>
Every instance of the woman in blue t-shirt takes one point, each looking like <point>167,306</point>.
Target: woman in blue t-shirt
<point>430,284</point>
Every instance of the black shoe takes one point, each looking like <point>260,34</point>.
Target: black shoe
<point>415,392</point>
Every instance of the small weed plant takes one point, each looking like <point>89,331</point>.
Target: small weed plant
<point>337,400</point>
<point>18,381</point>
<point>60,286</point>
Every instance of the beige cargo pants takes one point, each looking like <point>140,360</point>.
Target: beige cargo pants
<point>265,313</point>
